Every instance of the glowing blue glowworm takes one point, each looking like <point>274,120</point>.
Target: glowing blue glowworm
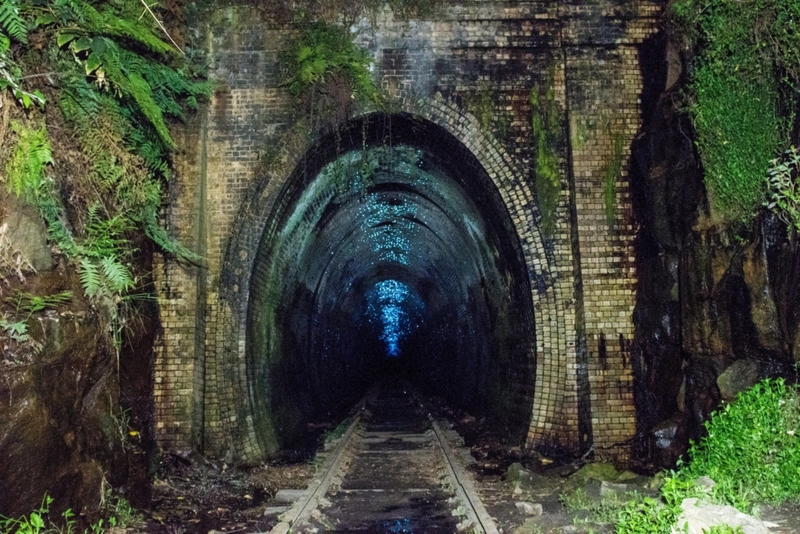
<point>391,295</point>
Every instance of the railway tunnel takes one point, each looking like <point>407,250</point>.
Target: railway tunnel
<point>389,251</point>
<point>415,239</point>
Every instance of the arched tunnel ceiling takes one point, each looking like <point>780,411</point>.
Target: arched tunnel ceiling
<point>388,250</point>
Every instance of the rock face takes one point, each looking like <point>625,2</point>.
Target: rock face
<point>717,306</point>
<point>23,236</point>
<point>61,424</point>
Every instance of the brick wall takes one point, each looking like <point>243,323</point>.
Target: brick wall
<point>582,278</point>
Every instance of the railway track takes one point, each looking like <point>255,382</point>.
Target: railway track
<point>396,469</point>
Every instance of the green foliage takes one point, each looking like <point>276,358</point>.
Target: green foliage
<point>11,23</point>
<point>647,516</point>
<point>16,330</point>
<point>724,529</point>
<point>14,27</point>
<point>783,195</point>
<point>120,514</point>
<point>546,131</point>
<point>752,450</point>
<point>30,304</point>
<point>612,174</point>
<point>606,510</point>
<point>738,132</point>
<point>25,170</point>
<point>117,84</point>
<point>323,61</point>
<point>746,71</point>
<point>30,524</point>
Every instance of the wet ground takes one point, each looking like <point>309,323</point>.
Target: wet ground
<point>194,495</point>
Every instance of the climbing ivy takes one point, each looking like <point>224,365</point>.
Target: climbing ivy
<point>546,132</point>
<point>744,80</point>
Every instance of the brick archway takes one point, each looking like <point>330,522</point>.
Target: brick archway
<point>237,426</point>
<point>582,277</point>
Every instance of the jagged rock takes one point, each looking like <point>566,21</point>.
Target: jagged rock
<point>529,508</point>
<point>61,435</point>
<point>740,376</point>
<point>289,495</point>
<point>27,235</point>
<point>521,479</point>
<point>595,471</point>
<point>699,517</point>
<point>665,433</point>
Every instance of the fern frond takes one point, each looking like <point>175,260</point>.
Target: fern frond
<point>140,90</point>
<point>118,277</point>
<point>90,278</point>
<point>11,22</point>
<point>25,169</point>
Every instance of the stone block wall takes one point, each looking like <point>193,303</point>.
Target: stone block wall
<point>582,278</point>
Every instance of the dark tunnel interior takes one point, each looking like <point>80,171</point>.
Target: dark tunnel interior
<point>389,250</point>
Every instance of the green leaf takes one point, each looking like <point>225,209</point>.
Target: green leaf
<point>44,19</point>
<point>83,43</point>
<point>66,36</point>
<point>90,277</point>
<point>92,63</point>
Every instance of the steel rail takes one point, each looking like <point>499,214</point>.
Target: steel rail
<point>463,486</point>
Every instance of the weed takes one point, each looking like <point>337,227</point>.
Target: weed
<point>589,510</point>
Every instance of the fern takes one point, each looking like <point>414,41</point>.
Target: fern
<point>11,22</point>
<point>25,169</point>
<point>90,277</point>
<point>324,50</point>
<point>118,278</point>
<point>116,92</point>
<point>29,303</point>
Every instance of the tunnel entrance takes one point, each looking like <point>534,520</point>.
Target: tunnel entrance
<point>389,250</point>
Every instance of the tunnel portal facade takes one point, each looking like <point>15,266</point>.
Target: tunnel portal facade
<point>439,204</point>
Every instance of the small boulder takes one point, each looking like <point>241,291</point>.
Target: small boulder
<point>26,233</point>
<point>741,375</point>
<point>595,471</point>
<point>529,508</point>
<point>519,478</point>
<point>699,517</point>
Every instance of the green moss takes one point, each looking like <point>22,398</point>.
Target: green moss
<point>482,106</point>
<point>612,174</point>
<point>546,133</point>
<point>747,66</point>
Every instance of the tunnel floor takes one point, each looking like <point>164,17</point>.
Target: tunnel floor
<point>390,477</point>
<point>392,487</point>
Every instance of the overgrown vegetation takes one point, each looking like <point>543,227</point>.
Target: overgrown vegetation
<point>751,452</point>
<point>742,92</point>
<point>41,521</point>
<point>115,83</point>
<point>546,132</point>
<point>328,73</point>
<point>489,114</point>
